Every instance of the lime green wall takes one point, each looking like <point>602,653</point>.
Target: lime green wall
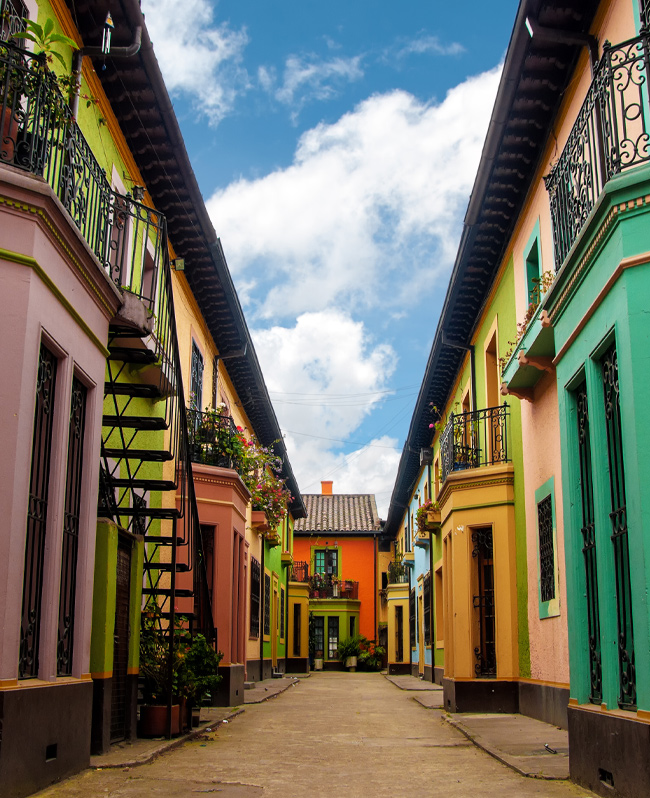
<point>101,645</point>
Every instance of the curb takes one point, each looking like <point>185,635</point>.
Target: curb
<point>169,745</point>
<point>493,752</point>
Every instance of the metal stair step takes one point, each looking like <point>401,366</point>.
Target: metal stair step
<point>149,455</point>
<point>181,567</point>
<point>149,423</point>
<point>150,512</point>
<point>127,354</point>
<point>145,484</point>
<point>166,591</point>
<point>120,331</point>
<point>138,390</point>
<point>163,540</point>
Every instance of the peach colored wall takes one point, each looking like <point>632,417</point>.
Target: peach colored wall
<point>356,562</point>
<point>47,296</point>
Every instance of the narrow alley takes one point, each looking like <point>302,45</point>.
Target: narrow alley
<point>333,733</point>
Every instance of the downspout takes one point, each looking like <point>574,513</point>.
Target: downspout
<point>375,541</point>
<point>115,52</point>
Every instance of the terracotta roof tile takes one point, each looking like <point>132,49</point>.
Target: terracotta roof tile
<point>340,512</point>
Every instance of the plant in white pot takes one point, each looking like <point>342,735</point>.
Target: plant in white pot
<point>349,650</point>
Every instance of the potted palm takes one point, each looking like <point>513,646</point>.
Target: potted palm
<point>349,650</point>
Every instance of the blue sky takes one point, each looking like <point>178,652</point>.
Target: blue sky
<point>335,144</point>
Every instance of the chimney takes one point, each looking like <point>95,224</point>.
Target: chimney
<point>326,487</point>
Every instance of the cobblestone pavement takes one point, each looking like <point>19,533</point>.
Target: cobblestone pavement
<point>334,733</point>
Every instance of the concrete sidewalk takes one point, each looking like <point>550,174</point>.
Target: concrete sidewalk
<point>143,751</point>
<point>531,747</point>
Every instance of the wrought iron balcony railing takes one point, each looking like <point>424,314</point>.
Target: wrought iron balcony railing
<point>397,573</point>
<point>474,439</point>
<point>609,135</point>
<point>213,439</point>
<point>13,14</point>
<point>326,587</point>
<point>300,571</point>
<point>39,135</point>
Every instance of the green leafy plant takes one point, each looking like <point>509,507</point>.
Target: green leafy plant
<point>371,656</point>
<point>350,647</point>
<point>44,37</point>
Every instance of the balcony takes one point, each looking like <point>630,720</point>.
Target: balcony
<point>300,571</point>
<point>211,438</point>
<point>324,586</point>
<point>397,573</point>
<point>474,439</point>
<point>39,135</point>
<point>609,136</point>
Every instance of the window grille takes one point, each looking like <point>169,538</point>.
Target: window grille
<point>71,528</point>
<point>255,598</point>
<point>196,379</point>
<point>426,601</point>
<point>546,549</point>
<point>485,652</point>
<point>618,517</point>
<point>589,553</point>
<point>296,629</point>
<point>412,617</point>
<point>37,514</point>
<point>332,636</point>
<point>13,14</point>
<point>282,615</point>
<point>319,634</point>
<point>215,379</point>
<point>267,604</point>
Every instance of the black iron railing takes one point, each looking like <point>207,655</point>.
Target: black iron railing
<point>39,135</point>
<point>474,439</point>
<point>13,14</point>
<point>327,587</point>
<point>300,571</point>
<point>610,134</point>
<point>213,439</point>
<point>397,573</point>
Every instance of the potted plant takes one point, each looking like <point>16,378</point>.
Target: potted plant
<point>371,655</point>
<point>428,517</point>
<point>348,651</point>
<point>197,673</point>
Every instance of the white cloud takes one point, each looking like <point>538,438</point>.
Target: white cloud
<point>368,214</point>
<point>308,78</point>
<point>198,57</point>
<point>325,374</point>
<point>426,43</point>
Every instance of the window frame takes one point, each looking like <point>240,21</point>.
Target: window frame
<point>551,608</point>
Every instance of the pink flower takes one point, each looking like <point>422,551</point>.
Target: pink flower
<point>431,426</point>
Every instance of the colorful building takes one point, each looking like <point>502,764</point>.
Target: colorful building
<point>113,277</point>
<point>336,553</point>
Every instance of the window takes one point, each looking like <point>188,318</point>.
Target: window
<point>326,561</point>
<point>399,633</point>
<point>332,636</point>
<point>483,556</point>
<point>296,629</point>
<point>215,380</point>
<point>546,551</point>
<point>589,552</point>
<point>438,588</point>
<point>533,273</point>
<point>319,634</point>
<point>37,514</point>
<point>71,521</point>
<point>255,598</point>
<point>282,616</point>
<point>426,602</point>
<point>13,14</point>
<point>196,378</point>
<point>267,604</point>
<point>412,617</point>
<point>353,625</point>
<point>619,537</point>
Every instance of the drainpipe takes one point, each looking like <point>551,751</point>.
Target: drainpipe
<point>472,363</point>
<point>115,52</point>
<point>375,593</point>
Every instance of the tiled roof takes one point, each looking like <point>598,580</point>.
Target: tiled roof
<point>340,512</point>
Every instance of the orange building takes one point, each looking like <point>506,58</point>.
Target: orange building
<point>336,551</point>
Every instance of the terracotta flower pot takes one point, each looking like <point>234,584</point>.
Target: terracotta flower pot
<point>153,721</point>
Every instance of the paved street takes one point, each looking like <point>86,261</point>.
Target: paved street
<point>334,733</point>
